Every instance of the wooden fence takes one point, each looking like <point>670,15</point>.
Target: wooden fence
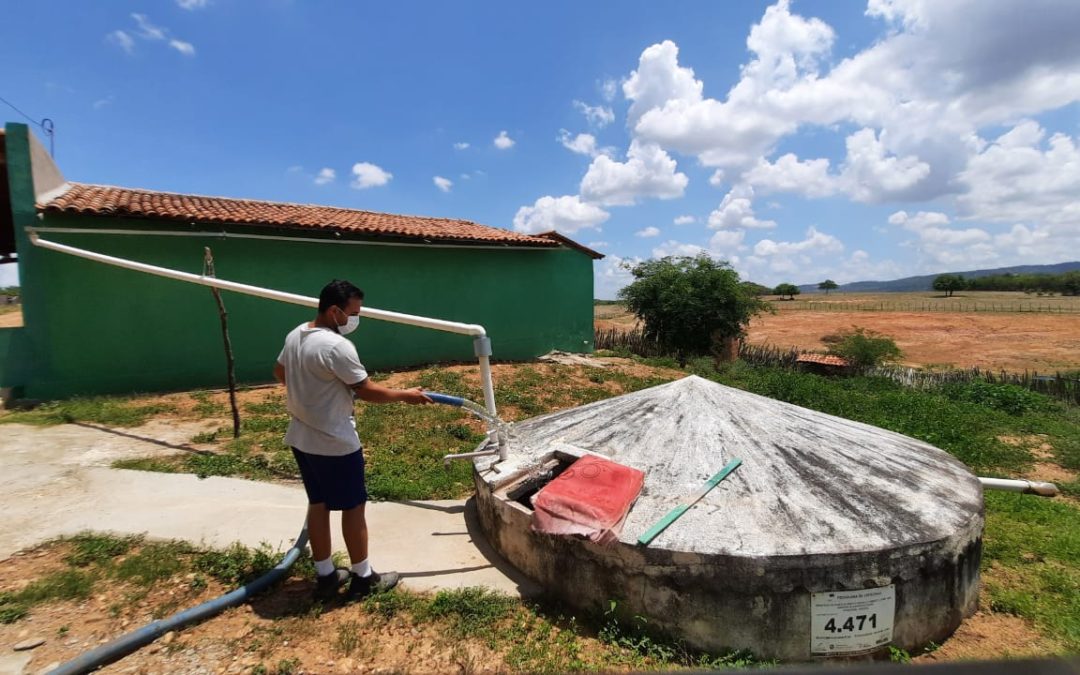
<point>1064,387</point>
<point>944,307</point>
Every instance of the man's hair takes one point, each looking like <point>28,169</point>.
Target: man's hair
<point>337,293</point>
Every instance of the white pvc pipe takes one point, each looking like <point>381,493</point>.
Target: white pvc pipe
<point>1031,487</point>
<point>293,298</point>
<point>475,330</point>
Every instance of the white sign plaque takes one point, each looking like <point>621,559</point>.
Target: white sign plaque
<point>848,622</point>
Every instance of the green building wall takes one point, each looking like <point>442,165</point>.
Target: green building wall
<point>93,328</point>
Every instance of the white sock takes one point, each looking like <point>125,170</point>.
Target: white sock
<point>324,567</point>
<point>362,568</point>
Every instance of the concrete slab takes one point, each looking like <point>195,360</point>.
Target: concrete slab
<point>14,664</point>
<point>55,481</point>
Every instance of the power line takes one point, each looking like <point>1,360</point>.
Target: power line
<point>46,124</point>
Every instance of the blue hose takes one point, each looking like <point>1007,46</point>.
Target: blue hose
<point>125,644</point>
<point>445,399</point>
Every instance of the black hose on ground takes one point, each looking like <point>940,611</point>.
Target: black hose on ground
<point>126,644</point>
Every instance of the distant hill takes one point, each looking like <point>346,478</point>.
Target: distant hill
<point>925,282</point>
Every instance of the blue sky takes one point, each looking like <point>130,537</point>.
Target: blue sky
<point>800,141</point>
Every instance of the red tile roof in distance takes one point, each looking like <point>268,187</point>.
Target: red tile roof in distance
<point>823,359</point>
<point>103,200</point>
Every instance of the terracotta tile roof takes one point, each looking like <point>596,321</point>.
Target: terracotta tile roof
<point>823,359</point>
<point>102,200</point>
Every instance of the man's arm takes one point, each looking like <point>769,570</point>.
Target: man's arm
<point>376,393</point>
<point>279,372</point>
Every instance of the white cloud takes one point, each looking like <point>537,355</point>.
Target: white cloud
<point>814,242</point>
<point>611,274</point>
<point>810,178</point>
<point>736,211</point>
<point>648,232</point>
<point>103,102</point>
<point>443,184</point>
<point>920,93</point>
<point>608,88</point>
<point>675,248</point>
<point>717,178</point>
<point>367,175</point>
<point>503,141</point>
<point>647,172</point>
<point>185,48</point>
<point>725,241</point>
<point>326,175</point>
<point>598,116</point>
<point>1020,177</point>
<point>582,144</point>
<point>566,214</point>
<point>598,244</point>
<point>942,247</point>
<point>192,4</point>
<point>121,40</point>
<point>775,261</point>
<point>461,145</point>
<point>684,220</point>
<point>870,175</point>
<point>9,274</point>
<point>147,30</point>
<point>659,80</point>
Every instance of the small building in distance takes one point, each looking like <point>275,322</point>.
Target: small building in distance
<point>823,364</point>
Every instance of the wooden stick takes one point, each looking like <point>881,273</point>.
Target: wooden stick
<point>208,263</point>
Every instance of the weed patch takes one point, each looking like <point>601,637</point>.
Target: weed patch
<point>107,411</point>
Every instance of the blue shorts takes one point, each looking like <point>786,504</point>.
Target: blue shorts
<point>337,482</point>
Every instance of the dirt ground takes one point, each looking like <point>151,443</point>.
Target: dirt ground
<point>1015,342</point>
<point>10,316</point>
<point>277,632</point>
<point>281,628</point>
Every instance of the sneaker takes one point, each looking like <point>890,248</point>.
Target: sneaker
<point>326,587</point>
<point>361,587</point>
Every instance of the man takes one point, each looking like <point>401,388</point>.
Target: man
<point>322,375</point>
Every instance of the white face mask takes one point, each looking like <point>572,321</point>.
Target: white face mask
<point>350,325</point>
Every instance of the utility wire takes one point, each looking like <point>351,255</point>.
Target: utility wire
<point>46,124</point>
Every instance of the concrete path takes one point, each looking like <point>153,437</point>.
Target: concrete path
<point>55,481</point>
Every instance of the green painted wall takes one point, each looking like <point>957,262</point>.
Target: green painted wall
<point>93,328</point>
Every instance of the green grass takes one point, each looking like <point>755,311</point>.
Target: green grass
<point>94,559</point>
<point>113,412</point>
<point>1036,546</point>
<point>1032,545</point>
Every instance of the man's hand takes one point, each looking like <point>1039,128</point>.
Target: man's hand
<point>279,372</point>
<point>414,396</point>
<point>376,393</point>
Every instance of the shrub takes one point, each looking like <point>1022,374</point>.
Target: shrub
<point>1005,397</point>
<point>689,306</point>
<point>862,348</point>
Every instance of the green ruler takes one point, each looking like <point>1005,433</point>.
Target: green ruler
<point>676,512</point>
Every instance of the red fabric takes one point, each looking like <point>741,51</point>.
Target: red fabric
<point>590,498</point>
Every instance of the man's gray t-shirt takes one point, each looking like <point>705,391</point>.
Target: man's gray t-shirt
<point>321,366</point>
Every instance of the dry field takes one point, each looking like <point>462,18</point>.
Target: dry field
<point>10,316</point>
<point>1044,342</point>
<point>932,301</point>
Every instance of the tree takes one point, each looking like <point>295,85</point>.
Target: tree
<point>690,306</point>
<point>862,348</point>
<point>755,289</point>
<point>827,285</point>
<point>949,283</point>
<point>790,290</point>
